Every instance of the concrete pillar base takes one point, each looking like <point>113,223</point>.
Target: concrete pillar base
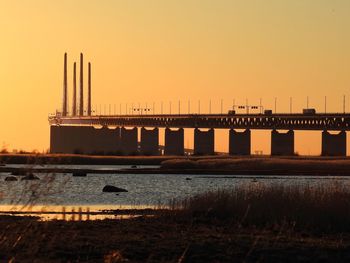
<point>128,141</point>
<point>239,142</point>
<point>149,141</point>
<point>333,144</point>
<point>174,142</point>
<point>203,142</point>
<point>282,143</point>
<point>83,140</point>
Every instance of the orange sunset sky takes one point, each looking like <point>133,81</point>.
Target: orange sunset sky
<point>149,51</point>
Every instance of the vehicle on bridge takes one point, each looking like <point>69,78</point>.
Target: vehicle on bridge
<point>309,111</point>
<point>268,112</point>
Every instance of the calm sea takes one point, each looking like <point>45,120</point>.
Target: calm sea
<point>144,190</point>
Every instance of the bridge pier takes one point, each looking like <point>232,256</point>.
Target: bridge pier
<point>149,141</point>
<point>282,143</point>
<point>71,139</point>
<point>203,142</point>
<point>61,139</point>
<point>85,140</point>
<point>333,144</point>
<point>239,142</point>
<point>174,142</point>
<point>128,141</point>
<point>105,141</point>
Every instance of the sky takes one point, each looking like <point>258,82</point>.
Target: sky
<point>153,51</point>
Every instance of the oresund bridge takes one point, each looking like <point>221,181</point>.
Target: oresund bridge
<point>81,131</point>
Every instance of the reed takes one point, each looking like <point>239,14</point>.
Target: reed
<point>324,208</point>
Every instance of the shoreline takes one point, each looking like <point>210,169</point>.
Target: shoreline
<point>80,159</point>
<point>230,173</point>
<point>193,165</point>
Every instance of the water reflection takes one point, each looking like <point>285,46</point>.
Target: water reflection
<point>81,213</point>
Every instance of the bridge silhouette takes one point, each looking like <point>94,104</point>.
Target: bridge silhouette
<point>79,133</point>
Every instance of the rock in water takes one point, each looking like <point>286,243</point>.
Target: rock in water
<point>113,189</point>
<point>11,178</point>
<point>30,177</point>
<point>79,174</point>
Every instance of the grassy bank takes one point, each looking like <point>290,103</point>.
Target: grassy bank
<point>219,164</point>
<point>80,159</point>
<point>263,165</point>
<point>245,224</point>
<point>174,161</point>
<point>323,209</point>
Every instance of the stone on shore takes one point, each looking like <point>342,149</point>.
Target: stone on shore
<point>30,177</point>
<point>113,189</point>
<point>10,178</point>
<point>79,174</point>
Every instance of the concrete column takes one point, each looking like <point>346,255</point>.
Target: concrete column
<point>203,142</point>
<point>150,141</point>
<point>282,143</point>
<point>174,142</point>
<point>56,140</point>
<point>128,141</point>
<point>239,142</point>
<point>71,139</point>
<point>334,144</point>
<point>106,141</point>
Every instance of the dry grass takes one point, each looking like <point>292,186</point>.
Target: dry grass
<point>322,165</point>
<point>325,208</point>
<point>80,159</point>
<point>245,224</point>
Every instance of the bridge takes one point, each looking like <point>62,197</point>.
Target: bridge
<point>336,122</point>
<point>82,132</point>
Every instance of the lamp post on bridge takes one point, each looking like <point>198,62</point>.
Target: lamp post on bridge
<point>222,106</point>
<point>275,105</point>
<point>142,111</point>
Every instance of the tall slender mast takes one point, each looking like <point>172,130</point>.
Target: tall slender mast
<point>64,106</point>
<point>74,106</point>
<point>81,104</point>
<point>89,90</point>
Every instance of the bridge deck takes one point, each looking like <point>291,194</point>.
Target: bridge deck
<point>331,121</point>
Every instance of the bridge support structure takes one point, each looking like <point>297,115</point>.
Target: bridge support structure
<point>239,142</point>
<point>149,141</point>
<point>105,141</point>
<point>128,141</point>
<point>85,140</point>
<point>203,142</point>
<point>333,144</point>
<point>282,143</point>
<point>174,142</point>
<point>64,139</point>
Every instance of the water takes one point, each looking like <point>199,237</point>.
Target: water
<point>144,190</point>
